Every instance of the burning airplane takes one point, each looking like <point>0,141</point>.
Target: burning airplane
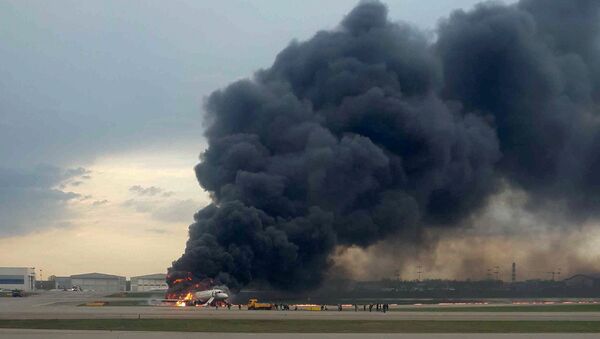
<point>185,290</point>
<point>202,298</point>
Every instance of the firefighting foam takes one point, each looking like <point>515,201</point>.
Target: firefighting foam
<point>375,130</point>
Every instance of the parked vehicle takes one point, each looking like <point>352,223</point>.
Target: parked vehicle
<point>253,304</point>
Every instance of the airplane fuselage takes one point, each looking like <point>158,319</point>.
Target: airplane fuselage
<point>210,296</point>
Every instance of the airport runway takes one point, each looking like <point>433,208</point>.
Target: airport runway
<point>58,334</point>
<point>143,313</point>
<point>63,305</point>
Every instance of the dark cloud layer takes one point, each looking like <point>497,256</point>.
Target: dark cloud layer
<point>371,130</point>
<point>32,199</point>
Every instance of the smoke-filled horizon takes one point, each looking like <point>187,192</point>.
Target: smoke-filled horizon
<point>372,131</point>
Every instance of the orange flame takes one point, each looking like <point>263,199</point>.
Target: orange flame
<point>180,280</point>
<point>184,301</point>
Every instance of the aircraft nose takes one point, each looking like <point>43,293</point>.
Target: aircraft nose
<point>223,295</point>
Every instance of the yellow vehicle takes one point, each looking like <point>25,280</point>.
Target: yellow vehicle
<point>253,304</point>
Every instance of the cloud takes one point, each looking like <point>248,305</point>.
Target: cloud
<point>31,199</point>
<point>173,210</point>
<point>77,172</point>
<point>100,202</point>
<point>149,191</point>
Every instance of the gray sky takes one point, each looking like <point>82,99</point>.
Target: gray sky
<point>97,97</point>
<point>82,78</point>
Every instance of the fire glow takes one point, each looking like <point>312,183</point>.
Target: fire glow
<point>183,302</point>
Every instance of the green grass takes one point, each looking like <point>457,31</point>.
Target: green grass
<point>309,326</point>
<point>512,308</point>
<point>137,295</point>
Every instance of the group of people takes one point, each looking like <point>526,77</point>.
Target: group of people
<point>378,307</point>
<point>285,307</point>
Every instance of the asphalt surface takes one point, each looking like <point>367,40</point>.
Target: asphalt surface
<point>57,334</point>
<point>64,305</point>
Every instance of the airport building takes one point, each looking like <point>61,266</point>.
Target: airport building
<point>99,282</point>
<point>61,282</point>
<point>149,282</point>
<point>45,285</point>
<point>17,278</point>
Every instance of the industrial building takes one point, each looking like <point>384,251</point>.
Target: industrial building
<point>99,282</point>
<point>149,282</point>
<point>17,278</point>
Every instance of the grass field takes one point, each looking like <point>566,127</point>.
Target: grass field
<point>157,295</point>
<point>510,308</point>
<point>309,326</point>
<point>122,303</point>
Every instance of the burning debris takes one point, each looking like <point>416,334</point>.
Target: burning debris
<point>373,130</point>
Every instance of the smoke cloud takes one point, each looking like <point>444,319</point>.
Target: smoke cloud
<point>372,131</point>
<point>507,230</point>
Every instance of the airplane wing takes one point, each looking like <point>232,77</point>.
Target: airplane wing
<point>209,301</point>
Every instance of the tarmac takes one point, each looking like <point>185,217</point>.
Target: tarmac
<point>58,334</point>
<point>65,305</point>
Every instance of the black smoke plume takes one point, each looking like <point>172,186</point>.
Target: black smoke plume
<point>373,129</point>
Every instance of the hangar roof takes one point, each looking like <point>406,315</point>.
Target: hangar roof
<point>157,276</point>
<point>593,276</point>
<point>96,276</point>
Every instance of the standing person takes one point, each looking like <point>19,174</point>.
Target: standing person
<point>365,307</point>
<point>240,306</point>
<point>370,307</point>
